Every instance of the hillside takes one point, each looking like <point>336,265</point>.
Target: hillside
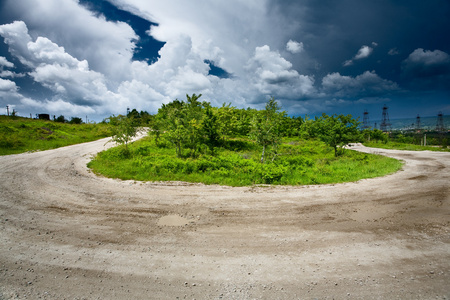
<point>18,134</point>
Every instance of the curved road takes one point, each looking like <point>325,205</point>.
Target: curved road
<point>68,234</point>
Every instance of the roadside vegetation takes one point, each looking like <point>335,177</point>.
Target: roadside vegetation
<point>405,146</point>
<point>413,141</point>
<point>18,134</point>
<point>195,142</point>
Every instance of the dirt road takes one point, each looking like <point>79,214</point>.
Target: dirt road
<point>67,234</point>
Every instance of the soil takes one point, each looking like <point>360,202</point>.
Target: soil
<point>66,233</point>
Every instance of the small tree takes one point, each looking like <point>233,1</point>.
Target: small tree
<point>171,119</point>
<point>336,131</point>
<point>76,120</point>
<point>124,130</point>
<point>61,119</point>
<point>210,129</point>
<point>265,127</point>
<point>378,135</point>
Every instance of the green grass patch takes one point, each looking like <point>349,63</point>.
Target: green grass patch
<point>18,135</point>
<point>237,164</point>
<point>405,146</point>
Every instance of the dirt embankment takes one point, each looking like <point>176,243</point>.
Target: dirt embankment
<point>67,234</point>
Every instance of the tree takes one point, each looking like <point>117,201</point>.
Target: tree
<point>210,129</point>
<point>192,122</point>
<point>171,118</point>
<point>61,119</point>
<point>378,135</point>
<point>124,130</point>
<point>336,131</point>
<point>265,127</point>
<point>76,120</point>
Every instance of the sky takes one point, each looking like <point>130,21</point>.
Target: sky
<point>96,58</point>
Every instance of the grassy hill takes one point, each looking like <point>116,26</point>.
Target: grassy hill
<point>18,134</point>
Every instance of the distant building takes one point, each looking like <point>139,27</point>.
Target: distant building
<point>43,116</point>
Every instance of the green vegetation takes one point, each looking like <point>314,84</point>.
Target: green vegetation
<point>266,128</point>
<point>195,142</point>
<point>237,163</point>
<point>436,141</point>
<point>124,130</point>
<point>18,135</point>
<point>404,146</point>
<point>192,141</point>
<point>335,131</point>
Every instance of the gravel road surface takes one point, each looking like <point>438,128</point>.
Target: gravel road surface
<point>68,234</point>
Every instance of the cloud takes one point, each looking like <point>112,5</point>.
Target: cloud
<point>294,47</point>
<point>47,52</point>
<point>363,52</point>
<point>393,51</point>
<point>58,106</point>
<point>9,93</point>
<point>7,86</point>
<point>55,69</point>
<point>273,75</point>
<point>5,63</point>
<point>86,36</point>
<point>17,37</point>
<point>179,70</point>
<point>89,64</point>
<point>427,69</point>
<point>70,79</point>
<point>366,84</point>
<point>426,63</point>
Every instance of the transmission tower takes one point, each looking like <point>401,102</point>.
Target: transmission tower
<point>366,120</point>
<point>385,123</point>
<point>440,123</point>
<point>418,122</point>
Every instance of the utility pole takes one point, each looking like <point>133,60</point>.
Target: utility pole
<point>7,109</point>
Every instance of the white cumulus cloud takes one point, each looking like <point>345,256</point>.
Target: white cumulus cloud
<point>275,76</point>
<point>5,63</point>
<point>363,52</point>
<point>427,68</point>
<point>294,47</point>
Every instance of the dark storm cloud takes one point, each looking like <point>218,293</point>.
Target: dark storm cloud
<point>368,84</point>
<point>333,31</point>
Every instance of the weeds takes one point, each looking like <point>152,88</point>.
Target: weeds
<point>298,163</point>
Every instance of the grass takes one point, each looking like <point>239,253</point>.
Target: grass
<point>299,162</point>
<point>18,135</point>
<point>404,146</point>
